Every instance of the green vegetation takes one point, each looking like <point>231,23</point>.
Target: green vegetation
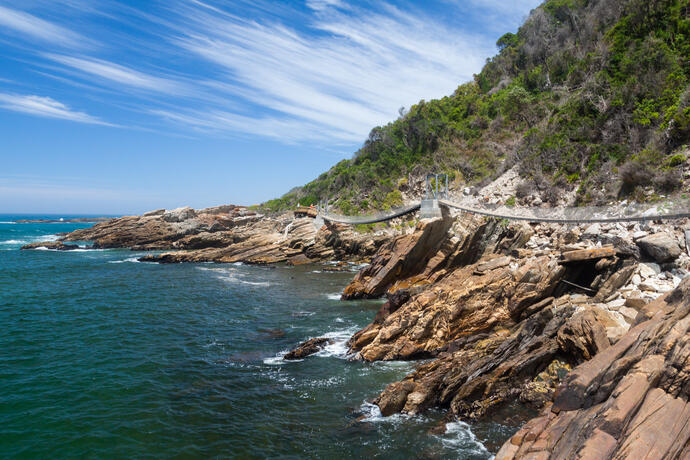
<point>590,95</point>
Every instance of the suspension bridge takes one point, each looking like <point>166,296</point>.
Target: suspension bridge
<point>436,197</point>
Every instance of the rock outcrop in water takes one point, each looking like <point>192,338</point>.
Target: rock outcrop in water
<point>307,348</point>
<point>226,234</point>
<point>587,324</point>
<point>52,245</point>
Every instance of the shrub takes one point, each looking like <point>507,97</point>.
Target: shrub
<point>634,173</point>
<point>392,199</point>
<point>525,189</point>
<point>676,160</point>
<point>669,181</point>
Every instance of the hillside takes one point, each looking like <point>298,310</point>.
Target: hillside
<point>589,96</point>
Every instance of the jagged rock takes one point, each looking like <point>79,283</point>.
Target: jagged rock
<point>307,348</point>
<point>432,251</point>
<point>403,257</point>
<point>229,234</point>
<point>629,401</point>
<point>584,334</point>
<point>662,247</point>
<point>635,302</point>
<point>469,302</point>
<point>55,245</point>
<point>615,281</point>
<point>480,372</point>
<point>630,314</point>
<point>649,269</point>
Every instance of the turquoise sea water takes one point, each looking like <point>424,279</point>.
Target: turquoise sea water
<point>105,357</point>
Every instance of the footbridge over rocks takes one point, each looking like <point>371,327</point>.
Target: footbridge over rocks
<point>437,197</point>
<point>563,215</point>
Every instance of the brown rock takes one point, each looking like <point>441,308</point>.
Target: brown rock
<point>580,255</point>
<point>55,245</point>
<point>307,348</point>
<point>584,334</point>
<point>630,400</point>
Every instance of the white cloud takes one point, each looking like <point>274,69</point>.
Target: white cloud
<point>40,29</point>
<point>121,74</point>
<point>321,5</point>
<point>45,107</point>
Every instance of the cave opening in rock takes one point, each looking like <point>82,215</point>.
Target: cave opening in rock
<point>578,278</point>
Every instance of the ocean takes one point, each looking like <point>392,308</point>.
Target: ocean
<point>102,356</point>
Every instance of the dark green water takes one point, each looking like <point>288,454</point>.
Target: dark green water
<point>105,357</point>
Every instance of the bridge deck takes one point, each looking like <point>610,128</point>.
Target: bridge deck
<point>372,219</point>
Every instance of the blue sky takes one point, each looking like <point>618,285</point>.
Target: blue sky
<point>124,106</point>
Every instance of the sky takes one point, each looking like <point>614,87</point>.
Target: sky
<point>119,107</point>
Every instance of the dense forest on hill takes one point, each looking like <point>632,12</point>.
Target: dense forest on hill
<point>588,95</point>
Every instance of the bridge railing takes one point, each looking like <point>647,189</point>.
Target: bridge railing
<point>621,212</point>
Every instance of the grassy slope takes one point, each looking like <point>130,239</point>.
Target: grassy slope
<point>590,94</point>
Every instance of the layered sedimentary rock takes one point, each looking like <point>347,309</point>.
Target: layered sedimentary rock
<point>502,318</point>
<point>435,249</point>
<point>227,234</point>
<point>629,401</point>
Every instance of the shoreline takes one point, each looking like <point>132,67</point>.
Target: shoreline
<point>502,312</point>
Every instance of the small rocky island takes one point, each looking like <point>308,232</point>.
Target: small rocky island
<point>589,325</point>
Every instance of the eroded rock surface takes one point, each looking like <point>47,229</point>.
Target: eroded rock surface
<point>501,320</point>
<point>431,252</point>
<point>227,234</point>
<point>629,401</point>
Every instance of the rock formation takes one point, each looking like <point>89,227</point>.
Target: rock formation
<point>503,311</point>
<point>226,234</point>
<point>629,401</point>
<point>307,348</point>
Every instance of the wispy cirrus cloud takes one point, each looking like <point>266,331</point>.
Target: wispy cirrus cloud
<point>46,107</point>
<point>322,5</point>
<point>120,74</point>
<point>39,29</point>
<point>326,73</point>
<point>350,73</point>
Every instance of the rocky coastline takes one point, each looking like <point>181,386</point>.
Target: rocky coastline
<point>587,326</point>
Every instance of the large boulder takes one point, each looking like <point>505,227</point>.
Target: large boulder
<point>662,247</point>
